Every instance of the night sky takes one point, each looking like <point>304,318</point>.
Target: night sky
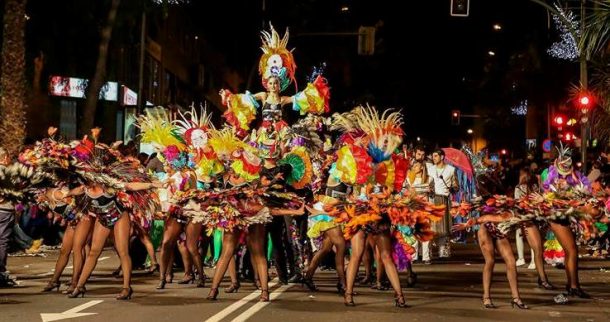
<point>426,66</point>
<point>426,62</point>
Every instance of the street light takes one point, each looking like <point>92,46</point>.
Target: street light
<point>491,53</point>
<point>469,131</point>
<point>497,27</point>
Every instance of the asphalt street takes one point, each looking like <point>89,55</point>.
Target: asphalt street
<point>446,291</point>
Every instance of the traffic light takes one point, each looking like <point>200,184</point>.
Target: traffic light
<point>585,102</point>
<point>455,117</point>
<point>460,8</point>
<point>559,121</point>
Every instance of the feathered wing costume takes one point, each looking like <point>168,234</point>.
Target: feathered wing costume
<point>102,165</point>
<point>19,182</point>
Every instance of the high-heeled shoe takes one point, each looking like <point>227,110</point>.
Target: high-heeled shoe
<point>365,280</point>
<point>153,268</point>
<point>201,281</point>
<point>161,284</point>
<point>340,288</point>
<point>400,301</point>
<point>69,290</point>
<point>545,284</point>
<point>233,288</point>
<point>380,287</point>
<point>518,303</point>
<point>189,280</point>
<point>117,273</point>
<point>309,283</point>
<point>488,304</point>
<point>348,299</point>
<point>213,294</point>
<point>78,291</point>
<point>169,278</point>
<point>411,280</point>
<point>578,292</point>
<point>264,296</point>
<point>125,294</point>
<point>52,285</point>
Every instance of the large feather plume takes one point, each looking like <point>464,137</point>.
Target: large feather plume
<point>157,128</point>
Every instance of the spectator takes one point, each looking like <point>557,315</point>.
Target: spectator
<point>7,221</point>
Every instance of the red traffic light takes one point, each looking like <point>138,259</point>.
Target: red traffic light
<point>559,120</point>
<point>503,151</point>
<point>584,100</point>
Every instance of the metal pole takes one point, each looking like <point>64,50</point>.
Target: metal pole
<point>140,108</point>
<point>584,129</point>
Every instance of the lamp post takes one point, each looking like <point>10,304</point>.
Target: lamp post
<point>584,129</point>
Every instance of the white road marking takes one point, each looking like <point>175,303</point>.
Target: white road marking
<point>260,305</point>
<point>239,303</point>
<point>71,267</point>
<point>99,260</point>
<point>71,313</point>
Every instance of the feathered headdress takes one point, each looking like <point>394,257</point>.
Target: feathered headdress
<point>191,121</point>
<point>563,162</point>
<point>277,60</point>
<point>383,134</point>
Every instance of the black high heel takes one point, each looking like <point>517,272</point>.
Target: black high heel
<point>213,294</point>
<point>518,303</point>
<point>489,305</point>
<point>365,280</point>
<point>264,296</point>
<point>309,283</point>
<point>69,290</point>
<point>233,288</point>
<point>201,281</point>
<point>78,291</point>
<point>380,287</point>
<point>545,284</point>
<point>52,285</point>
<point>340,288</point>
<point>125,295</point>
<point>578,292</point>
<point>349,296</point>
<point>400,301</point>
<point>189,280</point>
<point>161,284</point>
<point>411,280</point>
<point>117,273</point>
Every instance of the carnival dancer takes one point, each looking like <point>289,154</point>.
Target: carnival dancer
<point>53,156</point>
<point>372,213</point>
<point>562,178</point>
<point>106,175</point>
<point>254,213</point>
<point>321,224</point>
<point>491,238</point>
